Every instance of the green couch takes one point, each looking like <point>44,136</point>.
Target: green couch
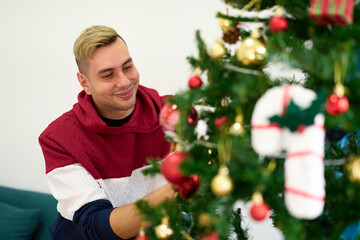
<point>26,215</point>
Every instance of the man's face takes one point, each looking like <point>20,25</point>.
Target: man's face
<point>112,80</point>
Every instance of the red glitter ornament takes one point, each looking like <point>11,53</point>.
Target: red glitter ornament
<point>188,188</point>
<point>278,23</point>
<point>170,167</point>
<point>259,211</point>
<point>142,238</point>
<point>219,122</point>
<point>195,82</point>
<point>335,105</point>
<point>212,236</point>
<point>193,117</point>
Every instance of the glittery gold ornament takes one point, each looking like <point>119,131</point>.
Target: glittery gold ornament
<point>225,24</point>
<point>204,220</point>
<point>251,50</point>
<point>163,231</point>
<point>217,51</point>
<point>353,167</point>
<point>222,184</point>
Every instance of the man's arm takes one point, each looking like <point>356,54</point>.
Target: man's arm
<point>125,220</point>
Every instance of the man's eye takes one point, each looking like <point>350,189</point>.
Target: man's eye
<point>128,67</point>
<point>107,75</point>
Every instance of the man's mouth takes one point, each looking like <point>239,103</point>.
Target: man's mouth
<point>126,95</point>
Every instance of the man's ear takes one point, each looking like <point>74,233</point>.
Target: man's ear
<point>84,82</point>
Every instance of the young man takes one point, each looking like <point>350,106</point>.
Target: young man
<point>95,153</point>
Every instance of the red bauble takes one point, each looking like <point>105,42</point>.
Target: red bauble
<point>259,211</point>
<point>336,105</point>
<point>219,122</point>
<point>212,236</point>
<point>278,23</point>
<point>194,82</point>
<point>188,188</point>
<point>193,118</point>
<point>170,167</point>
<point>142,238</point>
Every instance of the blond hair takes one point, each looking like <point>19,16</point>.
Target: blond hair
<point>89,40</point>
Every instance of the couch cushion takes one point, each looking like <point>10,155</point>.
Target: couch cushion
<point>18,223</point>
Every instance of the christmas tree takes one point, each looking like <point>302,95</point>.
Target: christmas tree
<point>246,131</point>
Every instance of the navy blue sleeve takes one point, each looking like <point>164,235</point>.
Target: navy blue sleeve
<point>92,221</point>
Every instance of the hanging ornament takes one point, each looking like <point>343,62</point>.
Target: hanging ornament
<point>142,235</point>
<point>193,117</point>
<point>170,167</point>
<point>353,168</point>
<point>187,188</point>
<point>332,12</point>
<point>238,126</point>
<point>204,220</point>
<point>251,50</point>
<point>278,22</point>
<point>231,33</point>
<point>225,24</point>
<point>220,122</point>
<point>225,101</point>
<point>222,184</point>
<point>217,50</point>
<point>337,103</point>
<point>274,128</point>
<point>212,236</point>
<point>163,231</point>
<point>259,209</point>
<point>168,119</point>
<point>195,80</point>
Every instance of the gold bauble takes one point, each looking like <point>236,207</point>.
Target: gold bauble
<point>217,51</point>
<point>222,184</point>
<point>225,24</point>
<point>353,167</point>
<point>238,127</point>
<point>204,220</point>
<point>163,231</point>
<point>251,50</point>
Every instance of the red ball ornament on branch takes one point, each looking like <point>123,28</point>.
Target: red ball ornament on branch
<point>212,236</point>
<point>336,105</point>
<point>193,117</point>
<point>278,23</point>
<point>170,167</point>
<point>194,82</point>
<point>142,238</point>
<point>188,188</point>
<point>259,211</point>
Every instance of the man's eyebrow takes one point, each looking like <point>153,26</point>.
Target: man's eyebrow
<point>127,61</point>
<point>110,69</point>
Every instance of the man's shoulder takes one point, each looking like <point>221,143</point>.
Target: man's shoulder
<point>61,124</point>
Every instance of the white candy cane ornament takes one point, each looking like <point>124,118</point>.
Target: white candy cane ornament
<point>304,165</point>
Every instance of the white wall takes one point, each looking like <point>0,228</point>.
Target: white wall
<point>38,71</point>
<point>37,68</point>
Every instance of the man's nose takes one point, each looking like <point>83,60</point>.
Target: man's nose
<point>122,81</point>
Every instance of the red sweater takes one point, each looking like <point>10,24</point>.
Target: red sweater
<point>80,136</point>
<point>87,161</point>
